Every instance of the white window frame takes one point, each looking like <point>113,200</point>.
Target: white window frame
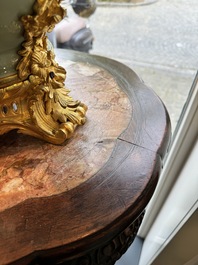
<point>184,140</point>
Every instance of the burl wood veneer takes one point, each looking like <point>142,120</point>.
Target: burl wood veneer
<point>82,202</point>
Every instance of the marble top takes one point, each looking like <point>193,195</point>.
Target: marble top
<point>28,166</point>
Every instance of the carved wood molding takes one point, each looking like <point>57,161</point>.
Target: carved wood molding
<point>106,254</point>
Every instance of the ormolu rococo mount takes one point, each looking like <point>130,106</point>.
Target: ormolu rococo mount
<point>33,97</point>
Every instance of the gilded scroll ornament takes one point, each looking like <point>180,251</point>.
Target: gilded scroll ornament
<point>35,101</point>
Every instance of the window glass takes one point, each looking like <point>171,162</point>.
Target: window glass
<point>157,39</point>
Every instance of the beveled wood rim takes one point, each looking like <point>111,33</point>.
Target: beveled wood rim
<point>134,144</point>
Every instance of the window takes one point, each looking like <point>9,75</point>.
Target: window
<point>176,196</point>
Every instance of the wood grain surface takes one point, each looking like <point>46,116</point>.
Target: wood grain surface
<point>31,168</point>
<point>62,201</point>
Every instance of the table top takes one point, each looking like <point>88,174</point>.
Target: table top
<point>57,198</point>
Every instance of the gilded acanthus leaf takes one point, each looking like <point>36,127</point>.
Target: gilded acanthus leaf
<point>40,105</point>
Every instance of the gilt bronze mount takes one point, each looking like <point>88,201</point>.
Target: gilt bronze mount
<point>34,100</point>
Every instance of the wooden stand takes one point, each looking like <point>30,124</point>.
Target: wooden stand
<point>83,202</point>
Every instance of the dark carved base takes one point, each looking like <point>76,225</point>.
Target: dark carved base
<point>106,254</point>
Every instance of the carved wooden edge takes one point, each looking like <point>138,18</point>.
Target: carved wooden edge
<point>106,254</point>
<point>63,254</point>
<point>140,96</point>
<point>89,259</point>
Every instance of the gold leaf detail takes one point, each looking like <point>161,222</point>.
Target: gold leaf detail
<point>44,107</point>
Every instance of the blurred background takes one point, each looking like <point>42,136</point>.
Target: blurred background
<point>157,39</point>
